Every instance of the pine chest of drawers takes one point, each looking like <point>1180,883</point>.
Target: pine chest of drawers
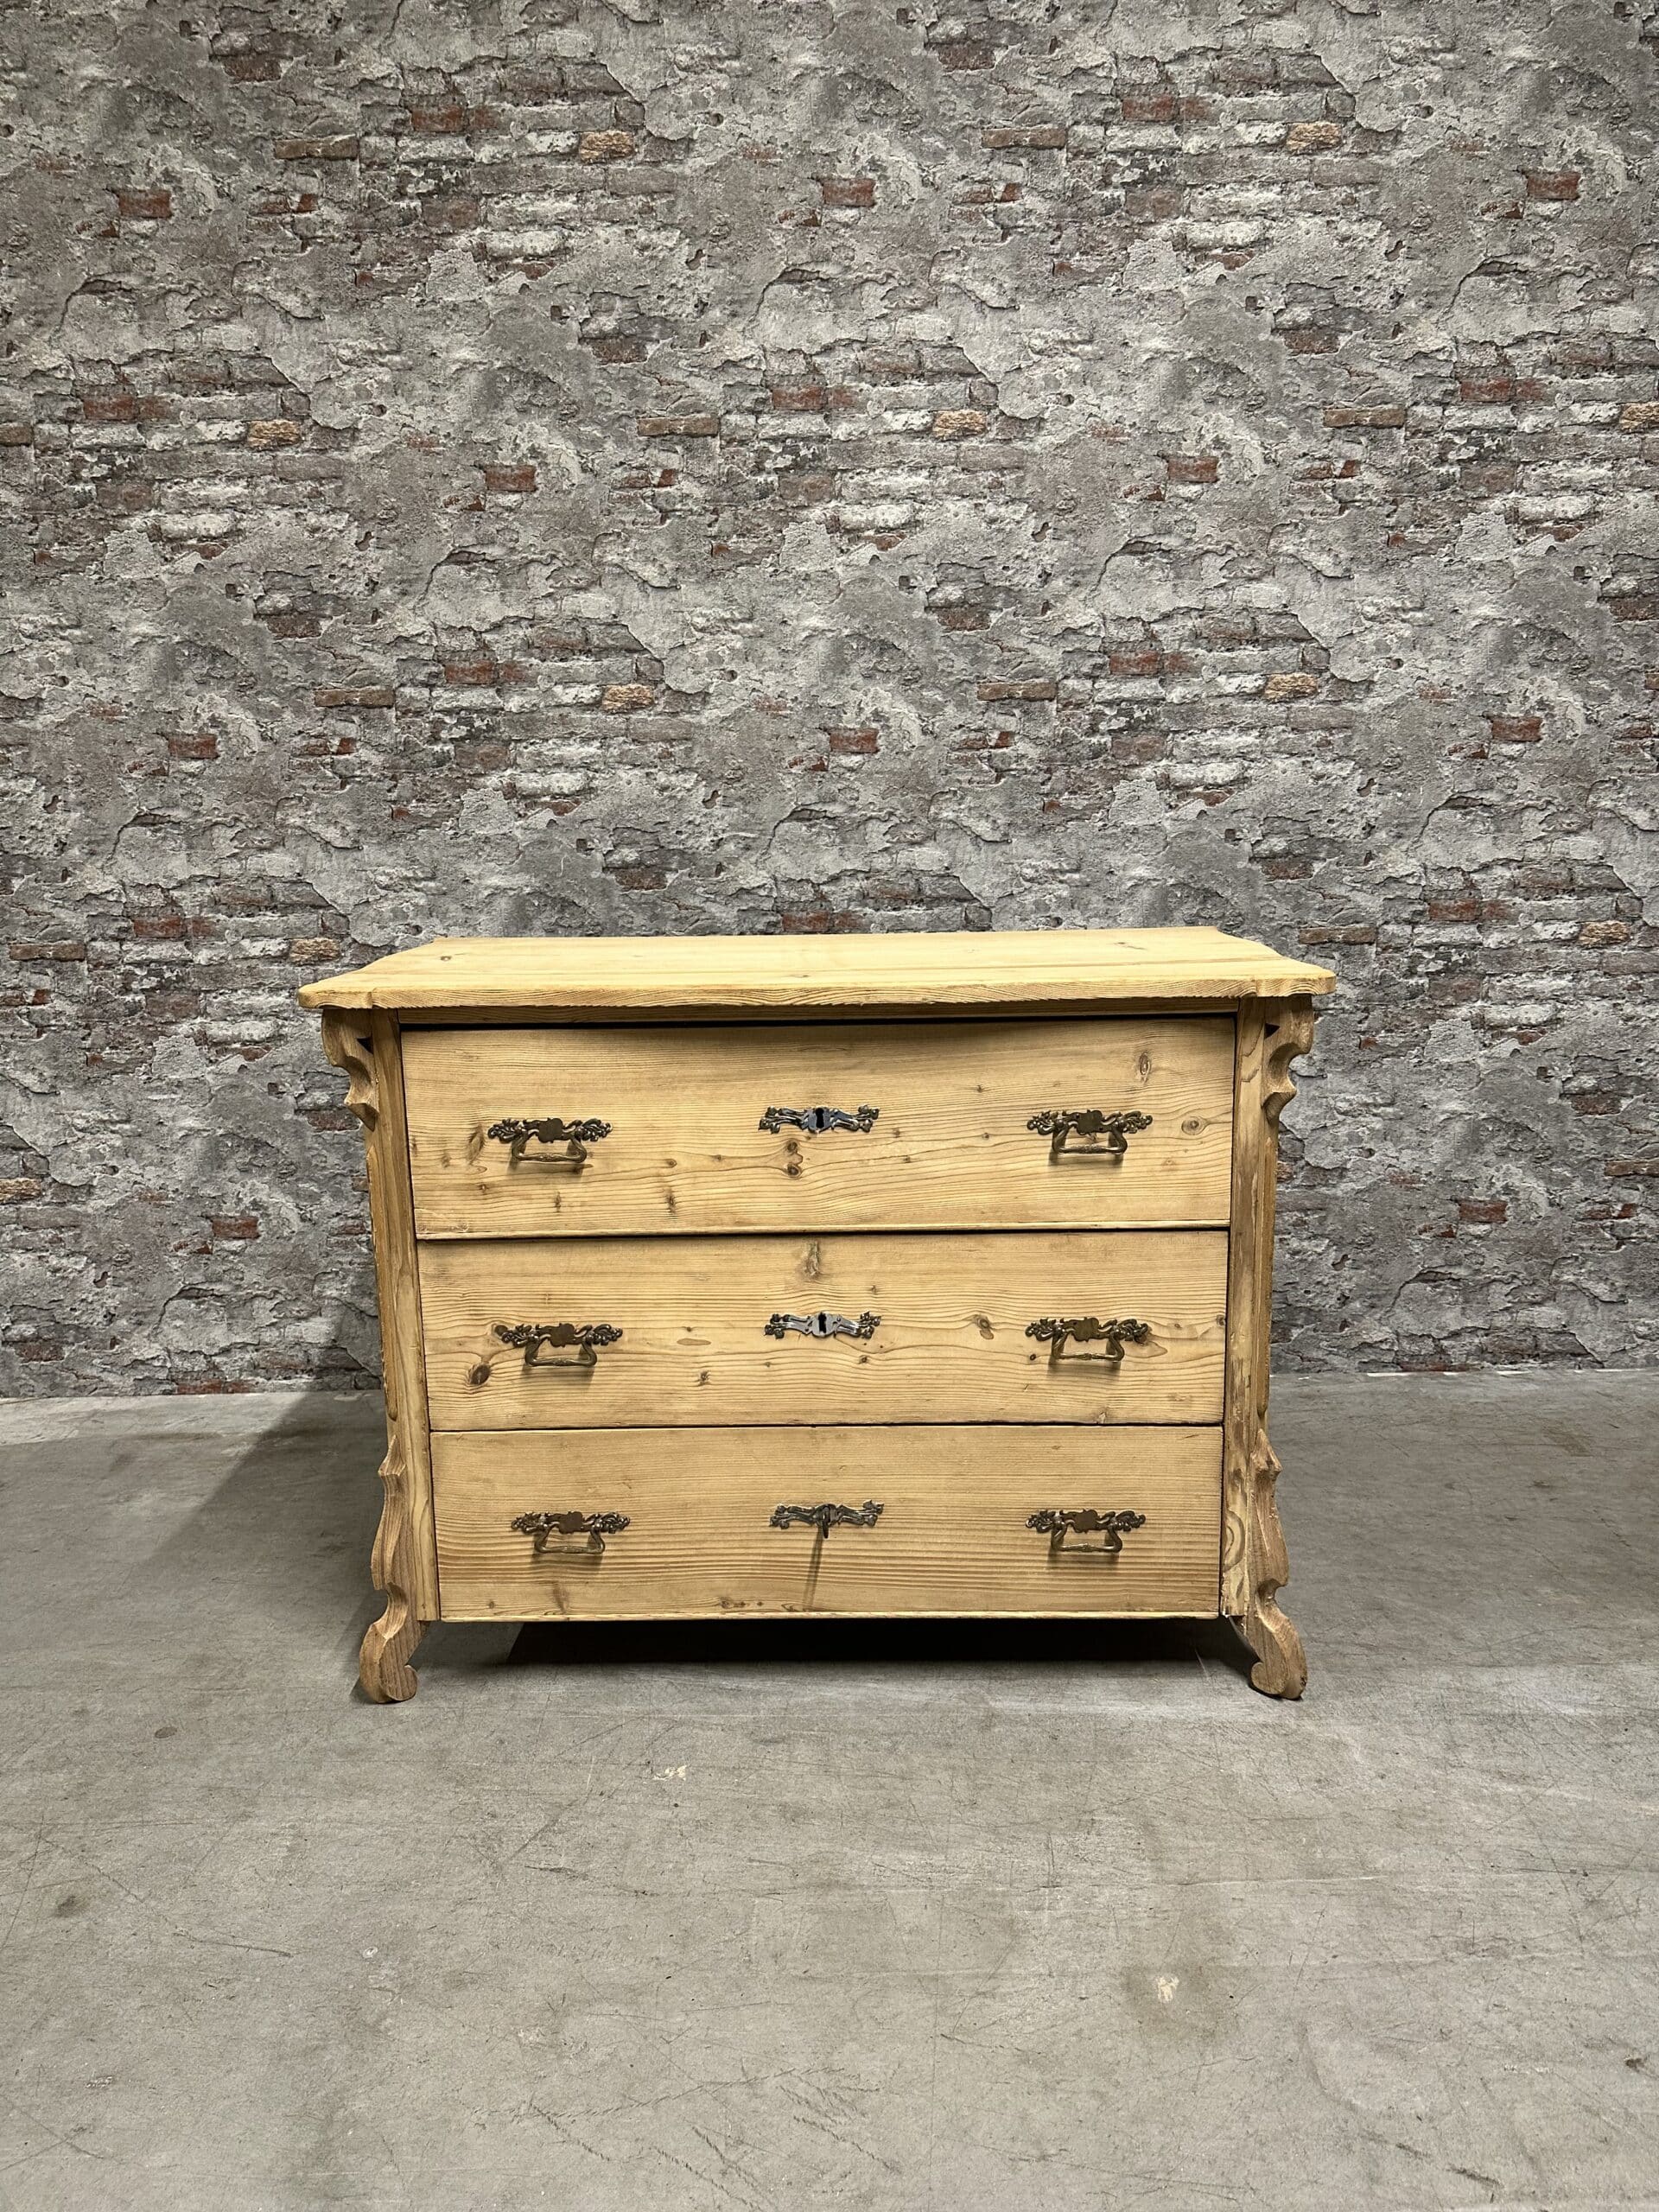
<point>878,1274</point>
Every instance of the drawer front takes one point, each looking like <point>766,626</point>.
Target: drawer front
<point>684,1147</point>
<point>710,1330</point>
<point>952,1535</point>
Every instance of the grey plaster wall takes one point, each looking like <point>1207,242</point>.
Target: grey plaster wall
<point>572,467</point>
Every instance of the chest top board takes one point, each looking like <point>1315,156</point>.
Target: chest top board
<point>741,1277</point>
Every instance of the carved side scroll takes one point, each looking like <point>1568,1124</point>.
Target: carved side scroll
<point>1254,1566</point>
<point>383,1664</point>
<point>345,1041</point>
<point>365,1046</point>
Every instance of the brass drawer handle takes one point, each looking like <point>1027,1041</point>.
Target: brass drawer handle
<point>594,1526</point>
<point>815,1119</point>
<point>823,1324</point>
<point>576,1136</point>
<point>1086,1330</point>
<point>824,1518</point>
<point>1054,1521</point>
<point>1088,1121</point>
<point>536,1337</point>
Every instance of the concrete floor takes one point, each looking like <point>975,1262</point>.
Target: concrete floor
<point>796,1917</point>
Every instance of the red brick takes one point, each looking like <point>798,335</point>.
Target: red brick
<point>193,744</point>
<point>154,205</point>
<point>853,740</point>
<point>1514,729</point>
<point>1551,184</point>
<point>801,399</point>
<point>847,191</point>
<point>1487,1211</point>
<point>509,476</point>
<point>238,1228</point>
<point>1192,467</point>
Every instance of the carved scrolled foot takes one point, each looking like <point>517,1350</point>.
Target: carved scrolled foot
<point>383,1665</point>
<point>1280,1669</point>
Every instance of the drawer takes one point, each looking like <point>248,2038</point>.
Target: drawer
<point>943,1327</point>
<point>687,1128</point>
<point>952,1535</point>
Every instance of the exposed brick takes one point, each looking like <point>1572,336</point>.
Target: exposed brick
<point>1192,467</point>
<point>154,205</point>
<point>1514,729</point>
<point>626,698</point>
<point>604,146</point>
<point>235,1229</point>
<point>1037,137</point>
<point>1551,184</point>
<point>1291,684</point>
<point>960,422</point>
<point>16,1189</point>
<point>315,149</point>
<point>276,432</point>
<point>847,191</point>
<point>863,741</point>
<point>1641,415</point>
<point>192,744</point>
<point>509,476</point>
<point>1312,137</point>
<point>1036,688</point>
<point>1486,1211</point>
<point>336,695</point>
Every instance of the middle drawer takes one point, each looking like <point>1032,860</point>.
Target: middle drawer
<point>639,1332</point>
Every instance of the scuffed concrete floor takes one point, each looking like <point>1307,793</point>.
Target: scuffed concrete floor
<point>805,1916</point>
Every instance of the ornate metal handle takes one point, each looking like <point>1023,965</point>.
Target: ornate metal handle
<point>1086,1330</point>
<point>1053,1521</point>
<point>594,1526</point>
<point>576,1136</point>
<point>816,1119</point>
<point>535,1337</point>
<point>823,1324</point>
<point>824,1518</point>
<point>1088,1121</point>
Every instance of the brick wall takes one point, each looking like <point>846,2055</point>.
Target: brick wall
<point>567,467</point>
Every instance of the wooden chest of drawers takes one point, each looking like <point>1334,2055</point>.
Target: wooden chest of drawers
<point>878,1274</point>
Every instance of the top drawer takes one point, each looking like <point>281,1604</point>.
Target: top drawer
<point>697,1133</point>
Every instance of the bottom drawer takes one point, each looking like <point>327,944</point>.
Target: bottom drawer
<point>952,1535</point>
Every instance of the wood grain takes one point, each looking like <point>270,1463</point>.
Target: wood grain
<point>951,1537</point>
<point>950,1344</point>
<point>1254,1564</point>
<point>949,1149</point>
<point>1034,970</point>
